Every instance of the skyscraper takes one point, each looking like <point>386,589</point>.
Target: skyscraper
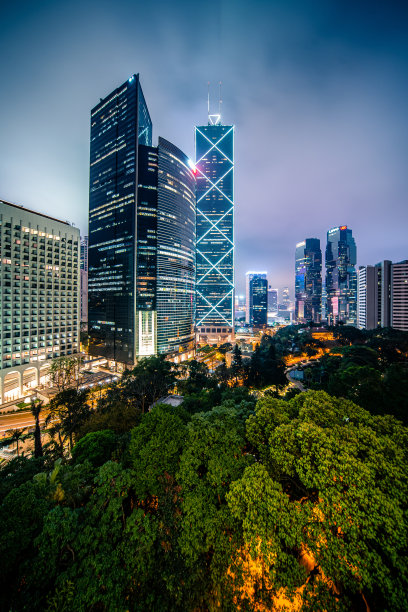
<point>119,123</point>
<point>84,279</point>
<point>214,145</point>
<point>256,298</point>
<point>259,301</point>
<point>172,257</point>
<point>273,295</point>
<point>308,281</point>
<point>286,297</point>
<point>141,234</point>
<point>341,278</point>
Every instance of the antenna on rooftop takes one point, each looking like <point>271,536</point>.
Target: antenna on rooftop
<point>208,99</point>
<point>219,100</point>
<point>214,119</point>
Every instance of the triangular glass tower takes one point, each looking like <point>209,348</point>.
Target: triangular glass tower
<point>214,146</point>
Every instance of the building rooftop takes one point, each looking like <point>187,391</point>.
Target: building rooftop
<point>34,212</point>
<point>171,400</point>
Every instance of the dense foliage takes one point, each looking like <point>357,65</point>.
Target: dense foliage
<point>222,503</point>
<point>372,372</point>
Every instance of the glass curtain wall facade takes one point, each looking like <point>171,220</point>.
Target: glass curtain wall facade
<point>273,300</point>
<point>214,146</point>
<point>341,277</point>
<point>176,256</point>
<point>258,289</point>
<point>119,123</point>
<point>308,281</point>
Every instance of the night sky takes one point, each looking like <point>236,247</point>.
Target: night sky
<point>317,91</point>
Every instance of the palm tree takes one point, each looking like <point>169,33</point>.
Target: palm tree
<point>36,406</point>
<point>16,434</point>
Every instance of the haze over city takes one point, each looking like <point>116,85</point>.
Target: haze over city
<point>317,93</point>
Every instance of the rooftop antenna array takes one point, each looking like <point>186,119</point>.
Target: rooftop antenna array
<point>216,118</point>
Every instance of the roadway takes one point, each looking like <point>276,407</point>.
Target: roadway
<point>18,420</point>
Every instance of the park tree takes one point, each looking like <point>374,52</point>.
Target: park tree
<point>66,372</point>
<point>337,476</point>
<point>96,447</point>
<point>36,407</point>
<point>212,457</point>
<point>237,363</point>
<point>195,378</point>
<point>67,413</point>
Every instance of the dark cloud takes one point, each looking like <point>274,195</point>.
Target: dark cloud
<point>317,91</point>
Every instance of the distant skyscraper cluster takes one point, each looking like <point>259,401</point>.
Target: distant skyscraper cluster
<point>337,296</point>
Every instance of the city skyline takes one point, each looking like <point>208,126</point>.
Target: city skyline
<point>320,119</point>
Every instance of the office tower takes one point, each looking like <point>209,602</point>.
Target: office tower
<point>119,123</point>
<point>84,279</point>
<point>256,290</point>
<point>341,278</point>
<point>141,234</point>
<point>286,297</point>
<point>165,267</point>
<point>273,295</point>
<point>324,301</point>
<point>39,295</point>
<point>399,295</point>
<point>240,307</point>
<point>214,146</point>
<point>308,281</point>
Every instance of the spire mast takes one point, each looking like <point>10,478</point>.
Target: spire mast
<point>208,102</point>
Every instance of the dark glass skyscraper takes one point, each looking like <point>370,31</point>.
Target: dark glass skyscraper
<point>258,291</point>
<point>214,144</point>
<point>341,277</point>
<point>141,234</point>
<point>118,124</point>
<point>308,281</point>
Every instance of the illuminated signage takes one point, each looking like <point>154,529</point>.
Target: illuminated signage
<point>343,227</point>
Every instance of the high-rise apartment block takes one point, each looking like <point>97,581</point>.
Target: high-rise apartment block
<point>40,295</point>
<point>341,277</point>
<point>214,146</point>
<point>368,312</point>
<point>308,281</point>
<point>382,296</point>
<point>141,234</point>
<point>399,295</point>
